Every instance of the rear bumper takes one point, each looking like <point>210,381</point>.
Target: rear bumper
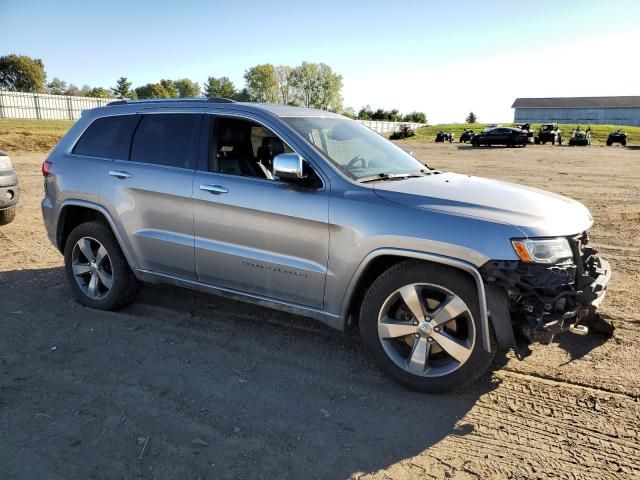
<point>9,190</point>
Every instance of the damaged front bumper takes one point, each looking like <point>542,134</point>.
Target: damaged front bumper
<point>531,302</point>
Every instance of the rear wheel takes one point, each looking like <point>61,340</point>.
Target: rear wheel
<point>420,323</point>
<point>7,215</point>
<point>97,270</point>
<point>623,143</point>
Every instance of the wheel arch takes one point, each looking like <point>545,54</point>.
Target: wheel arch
<point>379,260</point>
<point>75,212</point>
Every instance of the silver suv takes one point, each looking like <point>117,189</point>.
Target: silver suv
<point>310,212</point>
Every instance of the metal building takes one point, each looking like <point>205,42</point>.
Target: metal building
<point>578,110</point>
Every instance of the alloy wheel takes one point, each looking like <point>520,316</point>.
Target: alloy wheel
<point>426,329</point>
<point>92,268</point>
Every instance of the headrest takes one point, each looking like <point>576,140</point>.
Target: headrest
<point>273,146</point>
<point>230,135</point>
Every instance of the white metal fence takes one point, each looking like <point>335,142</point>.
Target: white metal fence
<point>388,127</point>
<point>65,107</point>
<point>46,106</point>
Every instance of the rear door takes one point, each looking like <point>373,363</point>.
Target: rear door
<point>150,192</point>
<point>254,233</point>
<point>500,136</point>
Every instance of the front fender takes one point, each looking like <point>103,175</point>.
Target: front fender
<point>443,260</point>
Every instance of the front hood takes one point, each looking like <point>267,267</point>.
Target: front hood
<point>535,212</point>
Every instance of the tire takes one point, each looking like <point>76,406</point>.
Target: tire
<point>440,372</point>
<point>623,143</point>
<point>7,215</point>
<point>124,286</point>
<point>609,143</point>
<point>560,141</point>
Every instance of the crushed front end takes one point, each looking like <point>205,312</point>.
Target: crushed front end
<point>544,299</point>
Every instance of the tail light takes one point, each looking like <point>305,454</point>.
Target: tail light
<point>46,168</point>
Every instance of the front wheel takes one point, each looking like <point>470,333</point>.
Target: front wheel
<point>97,270</point>
<point>421,324</point>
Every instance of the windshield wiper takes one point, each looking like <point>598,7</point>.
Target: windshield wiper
<point>391,176</point>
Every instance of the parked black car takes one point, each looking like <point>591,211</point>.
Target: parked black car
<point>618,136</point>
<point>466,136</point>
<point>511,137</point>
<point>9,190</point>
<point>444,137</point>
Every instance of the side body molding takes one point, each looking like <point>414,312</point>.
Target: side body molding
<point>451,262</point>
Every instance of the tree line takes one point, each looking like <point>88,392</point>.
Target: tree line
<point>309,84</point>
<point>367,113</point>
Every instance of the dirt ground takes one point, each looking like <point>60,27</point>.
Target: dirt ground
<point>188,386</point>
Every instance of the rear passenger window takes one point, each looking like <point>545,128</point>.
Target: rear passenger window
<point>166,139</point>
<point>107,137</point>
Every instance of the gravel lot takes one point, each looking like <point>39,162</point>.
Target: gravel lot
<point>189,386</point>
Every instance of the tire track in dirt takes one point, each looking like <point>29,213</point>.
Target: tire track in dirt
<point>528,428</point>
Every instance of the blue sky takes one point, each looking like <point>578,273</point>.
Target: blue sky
<point>444,58</point>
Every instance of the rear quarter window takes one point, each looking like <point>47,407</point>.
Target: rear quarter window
<point>107,137</point>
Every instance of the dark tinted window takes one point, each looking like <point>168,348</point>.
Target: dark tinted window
<point>108,137</point>
<point>166,139</point>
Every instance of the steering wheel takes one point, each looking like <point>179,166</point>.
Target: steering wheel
<point>355,160</point>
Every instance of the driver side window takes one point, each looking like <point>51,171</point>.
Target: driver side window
<point>242,147</point>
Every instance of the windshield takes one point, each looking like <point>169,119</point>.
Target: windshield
<point>354,148</point>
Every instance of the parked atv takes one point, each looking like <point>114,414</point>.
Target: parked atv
<point>548,132</point>
<point>580,138</point>
<point>466,136</point>
<point>444,137</point>
<point>526,128</point>
<point>618,136</point>
<point>404,131</point>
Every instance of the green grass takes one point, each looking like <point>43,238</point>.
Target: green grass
<point>599,133</point>
<point>31,135</point>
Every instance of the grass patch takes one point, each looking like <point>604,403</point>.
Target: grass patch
<point>599,133</point>
<point>31,135</point>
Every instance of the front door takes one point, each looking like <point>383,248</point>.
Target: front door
<point>254,233</point>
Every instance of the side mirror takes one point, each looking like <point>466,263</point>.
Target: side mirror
<point>288,167</point>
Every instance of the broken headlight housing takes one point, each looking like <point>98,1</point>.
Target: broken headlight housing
<point>542,250</point>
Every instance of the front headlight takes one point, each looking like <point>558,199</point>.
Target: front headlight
<point>542,250</point>
<point>5,163</point>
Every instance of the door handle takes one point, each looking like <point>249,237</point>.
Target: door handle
<point>217,189</point>
<point>119,174</point>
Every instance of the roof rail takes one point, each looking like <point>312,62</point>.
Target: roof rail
<point>169,100</point>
